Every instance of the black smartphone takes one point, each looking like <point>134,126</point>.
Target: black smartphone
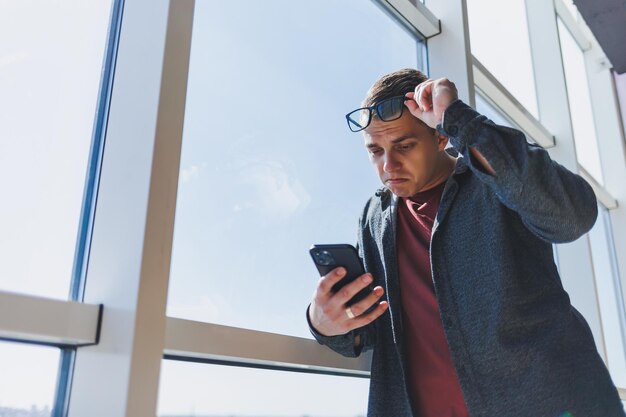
<point>329,257</point>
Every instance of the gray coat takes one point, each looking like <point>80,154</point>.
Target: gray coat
<point>520,349</point>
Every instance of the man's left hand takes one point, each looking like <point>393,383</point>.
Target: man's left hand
<point>430,99</point>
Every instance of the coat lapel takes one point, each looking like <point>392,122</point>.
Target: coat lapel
<point>390,264</point>
<point>448,194</point>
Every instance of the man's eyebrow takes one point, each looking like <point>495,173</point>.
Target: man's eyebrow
<point>401,138</point>
<point>394,141</point>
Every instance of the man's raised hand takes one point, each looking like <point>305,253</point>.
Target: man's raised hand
<point>430,99</point>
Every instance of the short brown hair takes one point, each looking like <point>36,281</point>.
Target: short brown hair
<point>396,83</point>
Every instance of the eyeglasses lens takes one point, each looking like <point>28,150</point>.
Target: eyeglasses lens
<point>390,109</point>
<point>358,119</point>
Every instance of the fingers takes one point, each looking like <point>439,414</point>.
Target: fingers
<point>324,289</point>
<point>412,105</point>
<point>366,319</point>
<point>423,95</point>
<point>346,293</point>
<point>430,99</point>
<point>327,312</point>
<point>362,306</point>
<point>421,98</point>
<point>326,283</point>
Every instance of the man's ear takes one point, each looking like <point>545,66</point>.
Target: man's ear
<point>442,141</point>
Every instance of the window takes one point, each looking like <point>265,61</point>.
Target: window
<point>580,104</point>
<point>29,376</point>
<point>610,298</point>
<point>267,155</point>
<point>499,40</point>
<point>50,66</point>
<point>189,389</point>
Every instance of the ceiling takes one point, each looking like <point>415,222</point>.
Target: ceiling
<point>607,21</point>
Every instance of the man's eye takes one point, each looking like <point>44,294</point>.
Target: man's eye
<point>405,146</point>
<point>375,151</point>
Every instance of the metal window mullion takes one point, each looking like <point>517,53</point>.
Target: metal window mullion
<point>206,342</point>
<point>133,227</point>
<point>572,25</point>
<point>44,321</point>
<point>414,16</point>
<point>449,52</point>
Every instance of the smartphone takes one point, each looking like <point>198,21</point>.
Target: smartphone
<point>329,257</point>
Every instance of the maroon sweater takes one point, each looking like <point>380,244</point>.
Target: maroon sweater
<point>433,385</point>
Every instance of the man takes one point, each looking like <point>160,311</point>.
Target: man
<point>475,321</point>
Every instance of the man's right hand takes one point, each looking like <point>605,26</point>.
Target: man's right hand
<point>328,310</point>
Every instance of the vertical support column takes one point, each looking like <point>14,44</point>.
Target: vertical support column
<point>575,261</point>
<point>611,147</point>
<point>449,53</point>
<point>129,261</point>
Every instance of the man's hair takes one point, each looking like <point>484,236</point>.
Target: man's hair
<point>396,83</point>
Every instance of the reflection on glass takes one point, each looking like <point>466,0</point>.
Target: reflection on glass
<point>610,298</point>
<point>580,104</point>
<point>499,40</point>
<point>50,63</point>
<point>268,163</point>
<point>192,389</point>
<point>27,380</point>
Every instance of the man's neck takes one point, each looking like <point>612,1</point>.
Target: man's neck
<point>446,168</point>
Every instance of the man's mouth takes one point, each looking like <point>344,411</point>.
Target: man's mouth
<point>395,180</point>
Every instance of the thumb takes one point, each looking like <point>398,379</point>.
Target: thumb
<point>413,108</point>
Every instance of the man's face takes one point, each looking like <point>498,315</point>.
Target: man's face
<point>405,152</point>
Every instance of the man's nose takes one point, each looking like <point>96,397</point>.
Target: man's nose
<point>391,163</point>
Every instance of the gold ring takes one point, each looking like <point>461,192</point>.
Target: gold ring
<point>349,313</point>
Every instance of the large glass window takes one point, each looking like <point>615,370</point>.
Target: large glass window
<point>189,389</point>
<point>610,298</point>
<point>268,163</point>
<point>50,64</point>
<point>27,380</point>
<point>499,40</point>
<point>580,104</point>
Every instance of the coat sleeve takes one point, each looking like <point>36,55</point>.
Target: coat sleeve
<point>553,202</point>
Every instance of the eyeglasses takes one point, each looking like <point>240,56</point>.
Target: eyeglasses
<point>387,110</point>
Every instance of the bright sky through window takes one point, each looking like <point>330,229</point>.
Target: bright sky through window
<point>269,165</point>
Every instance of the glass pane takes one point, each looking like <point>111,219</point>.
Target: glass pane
<point>580,104</point>
<point>610,299</point>
<point>50,63</point>
<point>268,163</point>
<point>499,40</point>
<point>28,381</point>
<point>191,389</point>
<point>484,107</point>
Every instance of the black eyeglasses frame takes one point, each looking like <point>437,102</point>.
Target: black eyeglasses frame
<point>378,109</point>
